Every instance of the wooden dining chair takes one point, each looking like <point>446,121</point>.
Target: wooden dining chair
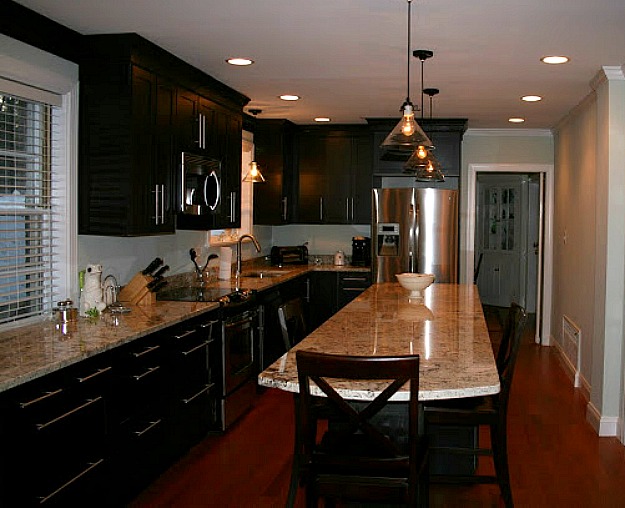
<point>367,451</point>
<point>490,410</point>
<point>292,322</point>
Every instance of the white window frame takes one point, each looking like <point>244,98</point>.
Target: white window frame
<point>26,65</point>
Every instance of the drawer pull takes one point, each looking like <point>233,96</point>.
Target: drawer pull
<point>91,376</point>
<point>357,279</point>
<point>209,324</point>
<point>146,351</point>
<point>41,426</point>
<point>149,371</point>
<point>92,465</point>
<point>39,399</point>
<point>185,334</point>
<point>140,433</point>
<point>203,390</point>
<point>359,290</point>
<point>199,346</point>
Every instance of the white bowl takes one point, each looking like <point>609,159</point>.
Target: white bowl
<point>415,282</point>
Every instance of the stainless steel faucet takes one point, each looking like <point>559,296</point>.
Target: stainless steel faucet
<point>256,244</point>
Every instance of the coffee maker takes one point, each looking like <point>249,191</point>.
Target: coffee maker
<point>361,251</point>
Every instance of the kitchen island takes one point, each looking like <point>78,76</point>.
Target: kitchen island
<point>447,329</point>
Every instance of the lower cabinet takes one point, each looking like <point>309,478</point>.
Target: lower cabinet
<point>98,432</point>
<point>55,440</point>
<point>331,291</point>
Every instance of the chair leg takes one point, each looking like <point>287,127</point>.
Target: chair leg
<point>498,437</point>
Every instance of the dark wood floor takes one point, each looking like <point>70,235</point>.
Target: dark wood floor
<point>556,459</point>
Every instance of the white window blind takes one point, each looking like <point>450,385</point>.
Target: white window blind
<point>30,201</point>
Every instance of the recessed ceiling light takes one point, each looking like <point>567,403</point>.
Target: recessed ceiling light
<point>531,98</point>
<point>322,119</point>
<point>516,120</point>
<point>288,97</point>
<point>240,61</point>
<point>554,59</point>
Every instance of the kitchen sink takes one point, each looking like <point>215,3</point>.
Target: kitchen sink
<point>264,274</point>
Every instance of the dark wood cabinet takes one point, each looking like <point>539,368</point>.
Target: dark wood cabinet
<point>274,149</point>
<point>350,285</point>
<point>140,108</point>
<point>126,185</point>
<point>334,175</point>
<point>55,438</point>
<point>322,301</point>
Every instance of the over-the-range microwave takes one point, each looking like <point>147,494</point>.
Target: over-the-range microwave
<point>199,184</point>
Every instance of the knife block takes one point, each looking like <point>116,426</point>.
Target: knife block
<point>136,291</point>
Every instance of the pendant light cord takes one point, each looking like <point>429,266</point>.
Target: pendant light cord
<point>408,55</point>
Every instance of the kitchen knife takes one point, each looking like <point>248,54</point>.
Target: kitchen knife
<point>161,284</point>
<point>150,285</point>
<point>152,266</point>
<point>160,273</point>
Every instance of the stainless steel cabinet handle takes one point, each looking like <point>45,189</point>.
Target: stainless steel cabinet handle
<point>163,204</point>
<point>185,334</point>
<point>91,376</point>
<point>92,465</point>
<point>307,291</point>
<point>39,399</point>
<point>153,424</point>
<point>233,207</point>
<point>284,207</point>
<point>358,279</point>
<point>203,390</point>
<point>149,371</point>
<point>146,351</point>
<point>352,199</point>
<point>320,208</point>
<point>41,426</point>
<point>209,324</point>
<point>359,290</point>
<point>347,209</point>
<point>156,205</point>
<point>199,346</point>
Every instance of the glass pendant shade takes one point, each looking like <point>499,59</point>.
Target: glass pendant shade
<point>254,175</point>
<point>407,134</point>
<point>425,169</point>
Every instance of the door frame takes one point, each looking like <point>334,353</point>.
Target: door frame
<point>468,223</point>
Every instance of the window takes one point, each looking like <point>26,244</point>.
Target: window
<point>28,211</point>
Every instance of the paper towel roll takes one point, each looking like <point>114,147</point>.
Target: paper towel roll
<point>225,263</point>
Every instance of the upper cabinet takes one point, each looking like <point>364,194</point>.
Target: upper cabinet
<point>140,108</point>
<point>274,151</point>
<point>334,175</point>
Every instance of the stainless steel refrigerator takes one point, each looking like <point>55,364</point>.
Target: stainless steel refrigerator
<point>415,230</point>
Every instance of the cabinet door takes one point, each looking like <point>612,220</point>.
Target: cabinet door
<point>187,131</point>
<point>322,305</point>
<point>229,127</point>
<point>338,179</point>
<point>274,151</point>
<point>362,181</point>
<point>311,156</point>
<point>165,165</point>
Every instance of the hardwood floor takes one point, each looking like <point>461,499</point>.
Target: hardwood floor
<point>556,459</point>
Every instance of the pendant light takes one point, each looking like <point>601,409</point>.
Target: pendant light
<point>407,134</point>
<point>254,175</point>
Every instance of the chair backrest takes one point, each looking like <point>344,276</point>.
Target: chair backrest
<point>366,422</point>
<point>509,348</point>
<point>292,322</point>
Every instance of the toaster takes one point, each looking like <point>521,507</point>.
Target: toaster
<point>295,255</point>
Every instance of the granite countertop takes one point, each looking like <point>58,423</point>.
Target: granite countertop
<point>447,329</point>
<point>31,351</point>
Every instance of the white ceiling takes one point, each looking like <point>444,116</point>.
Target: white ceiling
<point>347,58</point>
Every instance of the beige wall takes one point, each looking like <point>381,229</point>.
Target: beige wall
<point>574,230</point>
